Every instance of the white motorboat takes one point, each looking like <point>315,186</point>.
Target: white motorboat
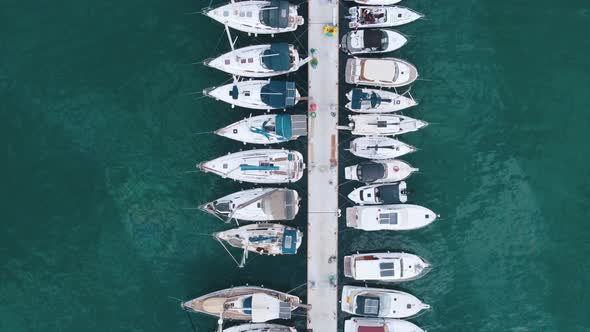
<point>260,327</point>
<point>380,17</point>
<point>259,60</point>
<point>266,129</point>
<point>255,304</point>
<point>380,325</point>
<point>377,101</point>
<point>387,266</point>
<point>258,166</point>
<point>372,41</point>
<point>396,217</point>
<point>257,17</point>
<point>260,204</point>
<point>379,171</point>
<point>379,147</point>
<point>383,124</point>
<point>375,194</point>
<point>381,72</point>
<point>380,302</point>
<point>256,94</point>
<point>263,238</point>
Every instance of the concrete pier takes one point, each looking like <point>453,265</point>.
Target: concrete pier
<point>322,225</point>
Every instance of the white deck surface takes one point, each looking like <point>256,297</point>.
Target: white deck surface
<point>322,234</point>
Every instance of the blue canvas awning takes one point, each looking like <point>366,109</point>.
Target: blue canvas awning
<point>277,57</point>
<point>246,167</point>
<point>279,94</point>
<point>289,246</point>
<point>358,96</point>
<point>276,14</point>
<point>283,126</point>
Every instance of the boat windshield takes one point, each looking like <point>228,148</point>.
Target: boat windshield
<point>369,171</point>
<point>247,305</point>
<point>367,305</point>
<point>386,269</point>
<point>388,218</point>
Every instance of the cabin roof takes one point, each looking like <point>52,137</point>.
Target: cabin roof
<point>379,70</point>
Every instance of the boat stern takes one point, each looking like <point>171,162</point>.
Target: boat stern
<point>350,172</point>
<point>352,217</point>
<point>348,266</point>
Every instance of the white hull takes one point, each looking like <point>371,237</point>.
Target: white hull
<point>395,217</point>
<point>249,62</point>
<point>382,171</point>
<point>375,194</point>
<point>264,238</point>
<point>377,2</point>
<point>260,327</point>
<point>381,17</point>
<point>249,94</point>
<point>262,129</point>
<point>379,147</point>
<point>258,166</point>
<point>383,124</point>
<point>376,267</point>
<point>245,16</point>
<point>380,72</point>
<point>378,324</point>
<point>354,42</point>
<point>388,102</point>
<point>260,204</point>
<point>379,302</point>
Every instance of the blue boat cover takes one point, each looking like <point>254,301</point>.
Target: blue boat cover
<point>276,14</point>
<point>262,238</point>
<point>283,126</point>
<point>246,167</point>
<point>289,242</point>
<point>277,57</point>
<point>279,94</point>
<point>358,96</point>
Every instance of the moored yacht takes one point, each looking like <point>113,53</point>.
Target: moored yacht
<point>395,217</point>
<point>381,72</point>
<point>256,94</point>
<point>257,17</point>
<point>380,325</point>
<point>380,17</point>
<point>260,204</point>
<point>263,238</point>
<point>266,129</point>
<point>255,304</point>
<point>383,124</point>
<point>377,101</point>
<point>387,266</point>
<point>372,41</point>
<point>379,171</point>
<point>259,60</point>
<point>380,302</point>
<point>374,194</point>
<point>379,147</point>
<point>260,327</point>
<point>258,166</point>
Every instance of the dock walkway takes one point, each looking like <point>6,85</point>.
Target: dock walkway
<point>322,226</point>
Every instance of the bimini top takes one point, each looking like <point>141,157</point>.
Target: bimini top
<point>281,204</point>
<point>389,193</point>
<point>279,94</point>
<point>358,96</point>
<point>276,14</point>
<point>289,245</point>
<point>369,171</point>
<point>375,39</point>
<point>367,305</point>
<point>277,57</point>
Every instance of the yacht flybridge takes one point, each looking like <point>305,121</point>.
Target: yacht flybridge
<point>255,304</point>
<point>378,101</point>
<point>372,41</point>
<point>257,17</point>
<point>380,16</point>
<point>380,325</point>
<point>387,266</point>
<point>379,302</point>
<point>260,204</point>
<point>259,60</point>
<point>258,166</point>
<point>395,217</point>
<point>379,147</point>
<point>266,129</point>
<point>379,171</point>
<point>257,94</point>
<point>382,72</point>
<point>263,238</point>
<point>373,194</point>
<point>383,124</point>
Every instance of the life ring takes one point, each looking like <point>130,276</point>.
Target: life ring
<point>395,169</point>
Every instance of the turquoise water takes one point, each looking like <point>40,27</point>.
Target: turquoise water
<point>99,128</point>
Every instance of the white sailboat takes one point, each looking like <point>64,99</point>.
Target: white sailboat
<point>380,325</point>
<point>379,147</point>
<point>380,302</point>
<point>260,204</point>
<point>257,17</point>
<point>380,16</point>
<point>258,166</point>
<point>377,101</point>
<point>395,217</point>
<point>260,327</point>
<point>372,41</point>
<point>266,129</point>
<point>374,194</point>
<point>386,266</point>
<point>379,171</point>
<point>256,94</point>
<point>381,72</point>
<point>263,238</point>
<point>383,124</point>
<point>259,60</point>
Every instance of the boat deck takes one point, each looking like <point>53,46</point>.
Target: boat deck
<point>322,231</point>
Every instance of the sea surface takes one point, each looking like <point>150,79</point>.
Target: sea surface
<point>102,122</point>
